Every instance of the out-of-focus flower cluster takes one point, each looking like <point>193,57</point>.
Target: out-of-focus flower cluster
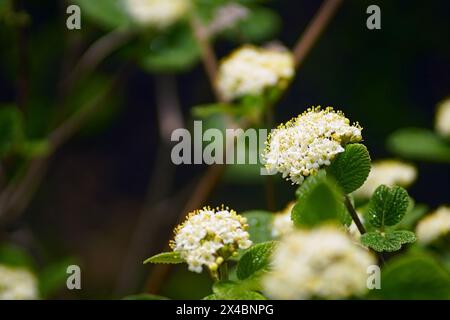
<point>320,263</point>
<point>308,142</point>
<point>157,13</point>
<point>209,236</point>
<point>388,172</point>
<point>17,284</point>
<point>434,226</point>
<point>443,118</point>
<point>282,223</point>
<point>250,70</point>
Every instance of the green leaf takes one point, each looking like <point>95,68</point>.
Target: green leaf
<point>261,24</point>
<point>259,225</point>
<point>14,256</point>
<point>165,258</point>
<point>11,129</point>
<point>387,206</point>
<point>388,241</point>
<point>318,201</point>
<point>172,51</point>
<point>414,276</point>
<point>419,144</point>
<point>231,290</point>
<point>145,296</point>
<point>207,110</point>
<point>257,258</point>
<point>351,167</point>
<point>109,14</point>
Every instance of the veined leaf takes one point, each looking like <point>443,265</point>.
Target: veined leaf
<point>388,241</point>
<point>318,201</point>
<point>387,206</point>
<point>351,168</point>
<point>257,258</point>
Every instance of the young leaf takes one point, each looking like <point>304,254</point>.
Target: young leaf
<point>419,144</point>
<point>259,225</point>
<point>165,258</point>
<point>318,201</point>
<point>174,51</point>
<point>257,258</point>
<point>387,206</point>
<point>351,168</point>
<point>414,276</point>
<point>107,13</point>
<point>389,241</point>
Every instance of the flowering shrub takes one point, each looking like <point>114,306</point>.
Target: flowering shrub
<point>353,227</point>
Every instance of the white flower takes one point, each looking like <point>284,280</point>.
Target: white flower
<point>157,13</point>
<point>434,226</point>
<point>321,263</point>
<point>250,70</point>
<point>226,17</point>
<point>388,172</point>
<point>309,142</point>
<point>209,236</point>
<point>443,118</point>
<point>17,284</point>
<point>282,223</point>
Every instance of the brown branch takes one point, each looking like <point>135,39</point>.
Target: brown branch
<point>314,30</point>
<point>152,219</point>
<point>96,53</point>
<point>208,56</point>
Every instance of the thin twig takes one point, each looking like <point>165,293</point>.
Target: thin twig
<point>208,56</point>
<point>358,223</point>
<point>354,215</point>
<point>149,221</point>
<point>314,30</point>
<point>96,53</point>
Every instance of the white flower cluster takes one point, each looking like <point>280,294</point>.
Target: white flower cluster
<point>443,118</point>
<point>208,237</point>
<point>250,70</point>
<point>434,226</point>
<point>321,263</point>
<point>388,172</point>
<point>157,13</point>
<point>304,144</point>
<point>17,284</point>
<point>282,223</point>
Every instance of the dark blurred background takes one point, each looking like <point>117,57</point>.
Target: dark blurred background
<point>97,184</point>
